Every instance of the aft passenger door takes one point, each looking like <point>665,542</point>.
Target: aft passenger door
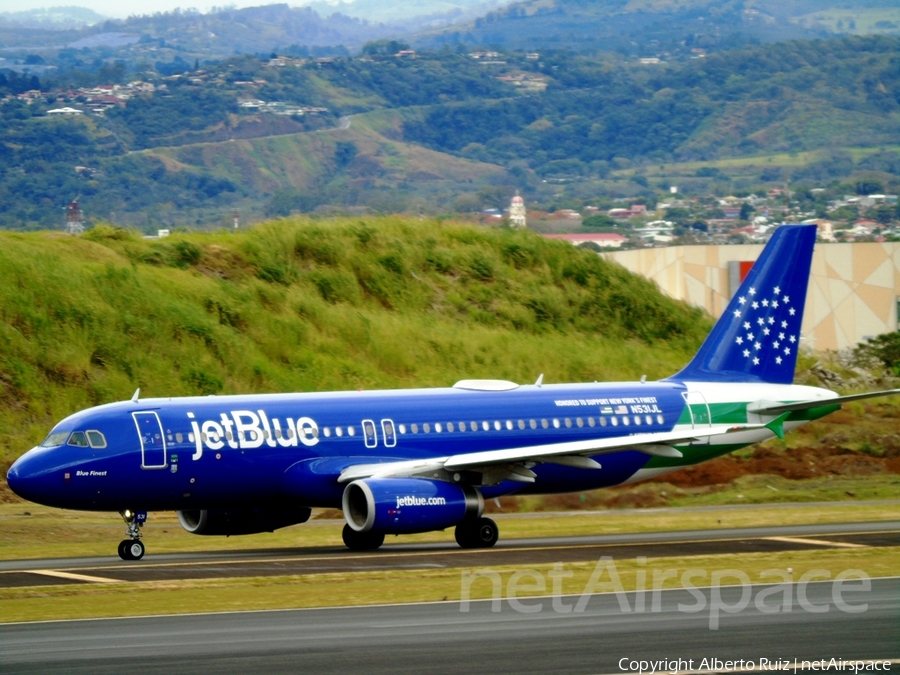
<point>698,408</point>
<point>153,440</point>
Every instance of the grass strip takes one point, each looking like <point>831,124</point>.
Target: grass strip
<point>401,586</point>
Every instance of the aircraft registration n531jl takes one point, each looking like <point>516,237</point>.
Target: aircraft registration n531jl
<point>400,462</point>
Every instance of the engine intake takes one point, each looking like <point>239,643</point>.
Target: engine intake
<point>241,521</point>
<point>408,505</point>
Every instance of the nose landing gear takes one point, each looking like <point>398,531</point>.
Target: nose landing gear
<point>132,548</point>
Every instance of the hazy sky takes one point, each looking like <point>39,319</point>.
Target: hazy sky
<point>119,10</point>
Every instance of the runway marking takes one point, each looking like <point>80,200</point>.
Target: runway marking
<point>382,555</point>
<point>75,577</point>
<point>816,542</point>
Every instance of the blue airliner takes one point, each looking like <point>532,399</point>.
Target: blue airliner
<point>407,461</point>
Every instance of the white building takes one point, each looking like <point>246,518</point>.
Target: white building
<point>517,212</point>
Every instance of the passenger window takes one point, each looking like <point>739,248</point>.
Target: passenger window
<point>179,437</point>
<point>473,426</point>
<point>78,439</point>
<point>579,422</point>
<point>450,426</point>
<point>351,431</point>
<point>414,427</point>
<point>96,439</point>
<point>437,427</point>
<point>555,423</point>
<point>509,425</point>
<point>625,420</point>
<point>591,421</point>
<point>532,424</point>
<point>402,428</point>
<point>568,423</point>
<point>545,424</point>
<point>426,428</point>
<point>602,421</point>
<point>521,424</point>
<point>327,432</point>
<point>659,419</point>
<point>339,431</point>
<point>485,426</point>
<point>497,425</point>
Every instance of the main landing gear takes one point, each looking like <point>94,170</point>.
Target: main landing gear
<point>132,548</point>
<point>361,541</point>
<point>478,533</point>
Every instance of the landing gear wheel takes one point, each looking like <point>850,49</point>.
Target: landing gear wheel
<point>135,550</point>
<point>479,533</point>
<point>131,549</point>
<point>361,541</point>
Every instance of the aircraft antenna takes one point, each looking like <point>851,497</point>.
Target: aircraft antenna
<point>540,380</point>
<point>137,392</point>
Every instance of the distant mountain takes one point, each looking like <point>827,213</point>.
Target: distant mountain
<point>435,13</point>
<point>53,18</point>
<point>662,27</point>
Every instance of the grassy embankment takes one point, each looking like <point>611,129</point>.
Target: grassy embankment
<point>301,306</point>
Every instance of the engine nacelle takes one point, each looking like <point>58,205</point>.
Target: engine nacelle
<point>408,505</point>
<point>241,521</point>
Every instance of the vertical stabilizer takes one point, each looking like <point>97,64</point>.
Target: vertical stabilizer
<point>758,336</point>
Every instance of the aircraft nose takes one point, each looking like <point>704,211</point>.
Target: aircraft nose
<point>22,477</point>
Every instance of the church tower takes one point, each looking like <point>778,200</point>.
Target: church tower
<point>517,212</point>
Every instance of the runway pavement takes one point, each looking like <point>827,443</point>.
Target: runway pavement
<point>268,562</point>
<point>440,638</point>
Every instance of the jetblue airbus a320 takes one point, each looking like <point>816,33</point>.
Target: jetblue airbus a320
<point>400,462</point>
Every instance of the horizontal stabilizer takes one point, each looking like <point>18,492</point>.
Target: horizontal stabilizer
<point>772,408</point>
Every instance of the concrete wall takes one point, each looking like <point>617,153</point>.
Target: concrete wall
<point>852,293</point>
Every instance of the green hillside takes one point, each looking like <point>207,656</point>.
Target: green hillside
<point>308,306</point>
<point>651,27</point>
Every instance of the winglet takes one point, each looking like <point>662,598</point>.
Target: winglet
<point>776,426</point>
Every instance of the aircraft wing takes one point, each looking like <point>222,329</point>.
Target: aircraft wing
<point>513,460</point>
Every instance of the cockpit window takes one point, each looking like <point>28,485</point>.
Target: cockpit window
<point>96,439</point>
<point>54,439</point>
<point>78,439</point>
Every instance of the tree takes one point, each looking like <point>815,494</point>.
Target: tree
<point>599,220</point>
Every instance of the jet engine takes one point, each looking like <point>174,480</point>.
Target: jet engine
<point>241,521</point>
<point>408,505</point>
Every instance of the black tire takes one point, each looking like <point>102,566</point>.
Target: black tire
<point>464,536</point>
<point>485,533</point>
<point>123,553</point>
<point>479,533</point>
<point>361,541</point>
